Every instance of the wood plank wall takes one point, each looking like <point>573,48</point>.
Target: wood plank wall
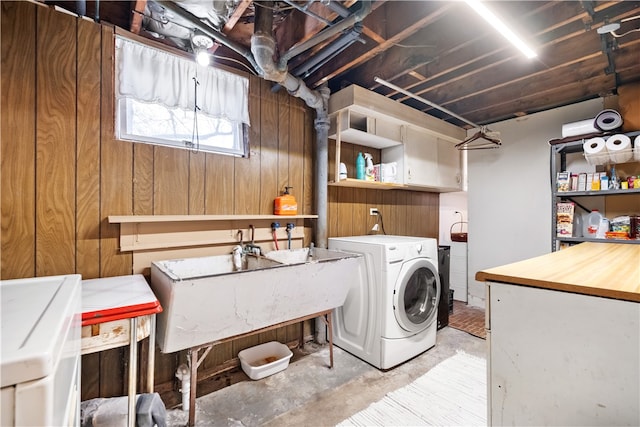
<point>405,213</point>
<point>63,173</point>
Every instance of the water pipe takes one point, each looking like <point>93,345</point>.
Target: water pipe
<point>290,227</point>
<point>274,227</point>
<point>184,375</point>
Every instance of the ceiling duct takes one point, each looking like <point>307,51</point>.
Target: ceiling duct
<point>161,24</point>
<point>328,33</point>
<point>216,35</point>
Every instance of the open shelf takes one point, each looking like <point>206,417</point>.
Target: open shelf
<point>596,192</point>
<point>591,239</point>
<point>360,183</point>
<point>123,219</point>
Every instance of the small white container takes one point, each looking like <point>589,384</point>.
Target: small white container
<point>264,359</point>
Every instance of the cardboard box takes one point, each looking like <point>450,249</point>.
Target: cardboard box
<point>582,182</point>
<point>564,219</point>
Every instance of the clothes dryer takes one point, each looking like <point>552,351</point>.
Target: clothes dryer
<point>390,314</point>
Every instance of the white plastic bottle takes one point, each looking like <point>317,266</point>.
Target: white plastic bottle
<point>592,224</point>
<point>368,169</point>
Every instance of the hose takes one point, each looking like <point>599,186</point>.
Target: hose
<point>275,239</point>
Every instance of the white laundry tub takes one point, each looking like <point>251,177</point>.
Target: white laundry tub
<point>204,300</point>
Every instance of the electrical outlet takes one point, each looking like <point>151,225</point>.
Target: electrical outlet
<point>373,211</point>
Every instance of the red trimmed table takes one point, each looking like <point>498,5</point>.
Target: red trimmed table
<point>119,311</point>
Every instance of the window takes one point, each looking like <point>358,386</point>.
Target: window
<point>156,102</point>
<point>157,124</point>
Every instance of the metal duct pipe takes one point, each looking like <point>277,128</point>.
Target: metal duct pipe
<point>328,52</point>
<point>211,32</point>
<point>321,124</point>
<point>341,26</point>
<point>263,47</point>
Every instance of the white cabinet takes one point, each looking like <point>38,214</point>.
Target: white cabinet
<point>422,146</point>
<point>426,161</point>
<point>561,358</point>
<point>458,271</point>
<point>40,352</point>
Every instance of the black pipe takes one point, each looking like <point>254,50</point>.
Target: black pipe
<point>81,7</point>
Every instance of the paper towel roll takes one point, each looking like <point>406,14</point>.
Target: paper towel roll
<point>595,151</point>
<point>608,120</point>
<point>636,152</point>
<point>582,127</point>
<point>619,148</point>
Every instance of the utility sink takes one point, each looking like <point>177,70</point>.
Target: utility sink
<point>205,299</point>
<point>181,269</point>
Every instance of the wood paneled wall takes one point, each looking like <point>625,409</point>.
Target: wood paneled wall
<point>404,213</point>
<point>63,173</point>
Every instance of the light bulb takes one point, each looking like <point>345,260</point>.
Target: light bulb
<point>202,58</point>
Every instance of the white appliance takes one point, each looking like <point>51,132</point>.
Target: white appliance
<point>390,314</point>
<point>40,354</point>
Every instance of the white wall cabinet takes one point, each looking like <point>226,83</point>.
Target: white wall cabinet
<point>426,161</point>
<point>422,146</point>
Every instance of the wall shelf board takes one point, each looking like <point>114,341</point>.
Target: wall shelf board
<point>590,239</point>
<point>121,219</point>
<point>360,183</point>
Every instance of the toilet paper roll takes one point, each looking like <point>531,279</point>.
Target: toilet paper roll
<point>636,152</point>
<point>619,148</point>
<point>582,127</point>
<point>595,151</point>
<point>608,120</point>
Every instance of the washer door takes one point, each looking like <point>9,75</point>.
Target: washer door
<point>416,295</point>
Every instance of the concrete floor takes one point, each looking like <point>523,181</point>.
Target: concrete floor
<point>308,393</point>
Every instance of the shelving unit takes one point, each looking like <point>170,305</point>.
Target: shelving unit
<point>559,150</point>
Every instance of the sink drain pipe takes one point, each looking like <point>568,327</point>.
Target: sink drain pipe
<point>184,375</point>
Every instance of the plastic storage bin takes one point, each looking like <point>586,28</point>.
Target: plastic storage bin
<point>264,359</point>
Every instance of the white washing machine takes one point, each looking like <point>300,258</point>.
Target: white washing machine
<point>390,314</point>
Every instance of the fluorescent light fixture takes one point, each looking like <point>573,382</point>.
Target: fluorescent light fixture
<point>492,19</point>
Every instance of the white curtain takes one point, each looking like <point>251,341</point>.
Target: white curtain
<point>152,75</point>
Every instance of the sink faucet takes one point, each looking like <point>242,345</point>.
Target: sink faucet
<point>252,248</point>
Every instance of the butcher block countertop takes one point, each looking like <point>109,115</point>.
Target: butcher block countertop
<point>610,270</point>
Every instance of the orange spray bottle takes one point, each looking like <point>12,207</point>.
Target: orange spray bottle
<point>285,204</point>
